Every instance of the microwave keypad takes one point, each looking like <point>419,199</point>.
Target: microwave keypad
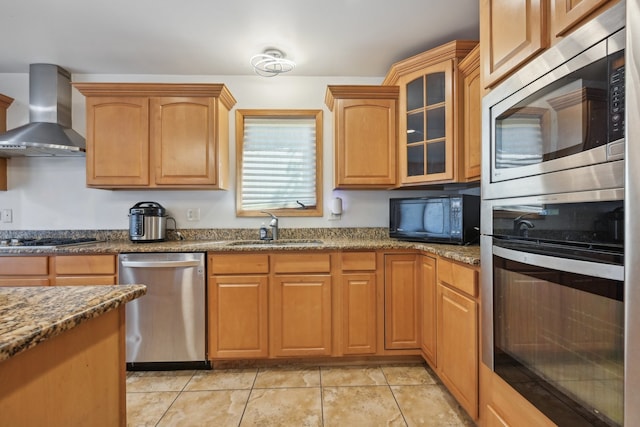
<point>616,103</point>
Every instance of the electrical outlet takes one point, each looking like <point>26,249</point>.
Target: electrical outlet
<point>193,214</point>
<point>6,215</point>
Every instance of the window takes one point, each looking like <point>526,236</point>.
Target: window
<point>279,162</point>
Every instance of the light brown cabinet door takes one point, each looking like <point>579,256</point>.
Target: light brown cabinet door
<point>238,316</point>
<point>183,140</point>
<point>359,318</point>
<point>365,135</point>
<point>401,302</point>
<point>5,102</point>
<point>458,346</point>
<point>428,342</point>
<point>567,14</point>
<point>511,32</point>
<point>426,120</point>
<point>471,112</point>
<point>117,141</point>
<point>300,317</point>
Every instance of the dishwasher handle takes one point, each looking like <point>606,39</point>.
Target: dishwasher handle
<point>160,264</point>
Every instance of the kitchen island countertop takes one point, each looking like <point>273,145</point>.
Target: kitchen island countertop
<point>31,315</point>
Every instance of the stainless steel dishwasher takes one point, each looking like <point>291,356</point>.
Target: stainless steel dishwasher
<point>167,325</point>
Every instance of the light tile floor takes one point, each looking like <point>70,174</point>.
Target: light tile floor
<point>403,395</point>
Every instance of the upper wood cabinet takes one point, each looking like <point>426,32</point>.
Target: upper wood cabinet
<point>471,116</point>
<point>5,102</point>
<point>430,114</point>
<point>514,31</point>
<point>147,135</point>
<point>365,135</point>
<point>567,14</point>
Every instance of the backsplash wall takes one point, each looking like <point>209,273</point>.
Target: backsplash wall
<point>50,193</point>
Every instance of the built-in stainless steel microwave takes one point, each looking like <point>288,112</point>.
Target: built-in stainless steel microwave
<point>561,113</point>
<point>451,219</point>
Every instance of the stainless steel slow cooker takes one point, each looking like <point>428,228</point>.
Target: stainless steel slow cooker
<point>147,222</point>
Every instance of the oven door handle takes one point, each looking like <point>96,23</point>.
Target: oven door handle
<point>587,268</point>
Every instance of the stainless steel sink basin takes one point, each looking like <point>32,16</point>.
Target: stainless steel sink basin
<point>277,243</point>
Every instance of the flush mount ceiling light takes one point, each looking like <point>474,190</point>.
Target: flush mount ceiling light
<point>271,63</point>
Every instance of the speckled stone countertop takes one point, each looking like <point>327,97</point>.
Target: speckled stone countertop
<point>31,315</point>
<point>465,254</point>
<point>244,240</point>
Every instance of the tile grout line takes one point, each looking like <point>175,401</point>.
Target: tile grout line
<point>174,399</point>
<point>246,403</point>
<point>394,396</point>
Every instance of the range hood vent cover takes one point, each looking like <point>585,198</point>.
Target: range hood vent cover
<point>49,130</point>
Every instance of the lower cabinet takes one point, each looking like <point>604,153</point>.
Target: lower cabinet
<point>301,315</point>
<point>502,406</point>
<point>71,270</point>
<point>401,302</point>
<point>269,305</point>
<point>457,332</point>
<point>238,319</point>
<point>24,271</point>
<point>359,306</point>
<point>300,305</point>
<point>428,330</point>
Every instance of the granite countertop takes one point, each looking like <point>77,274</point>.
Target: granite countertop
<point>465,254</point>
<point>31,315</point>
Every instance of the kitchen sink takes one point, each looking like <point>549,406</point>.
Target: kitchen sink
<point>277,243</point>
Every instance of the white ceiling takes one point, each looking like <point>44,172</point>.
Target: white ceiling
<point>213,37</point>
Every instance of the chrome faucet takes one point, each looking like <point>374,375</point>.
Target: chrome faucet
<point>273,224</point>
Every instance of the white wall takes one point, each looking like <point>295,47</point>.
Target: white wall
<point>50,193</point>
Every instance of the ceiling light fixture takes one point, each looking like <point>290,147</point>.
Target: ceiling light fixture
<point>271,63</point>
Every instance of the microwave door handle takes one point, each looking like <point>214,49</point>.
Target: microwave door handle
<point>587,268</point>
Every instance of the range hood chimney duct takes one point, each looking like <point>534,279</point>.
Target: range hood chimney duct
<point>49,130</point>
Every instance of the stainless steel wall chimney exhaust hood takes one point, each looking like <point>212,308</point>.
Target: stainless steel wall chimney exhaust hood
<point>49,130</point>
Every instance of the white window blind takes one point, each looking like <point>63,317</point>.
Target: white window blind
<point>278,162</point>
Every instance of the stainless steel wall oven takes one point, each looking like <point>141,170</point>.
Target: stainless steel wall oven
<point>554,300</point>
<point>557,294</point>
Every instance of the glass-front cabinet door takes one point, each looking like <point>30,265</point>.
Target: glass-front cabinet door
<point>426,123</point>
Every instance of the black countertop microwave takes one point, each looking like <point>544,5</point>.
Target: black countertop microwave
<point>453,219</point>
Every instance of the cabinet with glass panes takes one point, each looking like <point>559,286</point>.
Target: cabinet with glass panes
<point>430,114</point>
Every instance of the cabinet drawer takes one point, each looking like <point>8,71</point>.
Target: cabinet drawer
<point>85,280</point>
<point>24,265</point>
<point>85,264</point>
<point>458,276</point>
<point>302,263</point>
<point>238,264</point>
<point>358,261</point>
<point>24,282</point>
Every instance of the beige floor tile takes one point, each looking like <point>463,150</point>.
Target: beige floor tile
<point>223,379</point>
<point>146,409</point>
<point>300,407</point>
<point>206,408</point>
<point>429,405</point>
<point>352,376</point>
<point>287,377</point>
<point>408,375</point>
<point>360,406</point>
<point>158,380</point>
